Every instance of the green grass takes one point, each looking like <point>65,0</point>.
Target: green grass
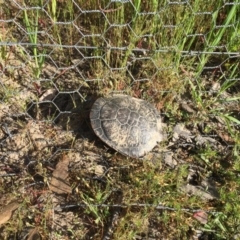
<point>139,47</point>
<point>31,22</point>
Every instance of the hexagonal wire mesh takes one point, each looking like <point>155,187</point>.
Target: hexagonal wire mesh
<point>58,56</point>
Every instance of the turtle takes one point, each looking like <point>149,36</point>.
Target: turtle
<point>129,125</point>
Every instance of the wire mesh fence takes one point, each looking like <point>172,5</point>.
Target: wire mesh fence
<point>57,57</point>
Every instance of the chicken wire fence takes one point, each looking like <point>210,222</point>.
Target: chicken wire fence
<point>56,55</point>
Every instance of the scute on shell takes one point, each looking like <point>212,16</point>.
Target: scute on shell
<point>129,125</point>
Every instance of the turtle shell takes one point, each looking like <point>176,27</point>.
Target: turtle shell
<point>129,125</point>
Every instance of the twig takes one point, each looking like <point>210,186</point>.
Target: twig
<point>109,10</point>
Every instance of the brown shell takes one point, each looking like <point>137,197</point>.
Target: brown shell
<point>129,125</point>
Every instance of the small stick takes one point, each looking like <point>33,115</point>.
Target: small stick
<point>109,10</point>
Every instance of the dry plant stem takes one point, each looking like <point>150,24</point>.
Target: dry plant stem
<point>109,10</point>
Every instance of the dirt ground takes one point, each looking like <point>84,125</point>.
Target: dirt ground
<point>49,153</point>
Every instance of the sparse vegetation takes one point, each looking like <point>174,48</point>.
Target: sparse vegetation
<point>182,56</point>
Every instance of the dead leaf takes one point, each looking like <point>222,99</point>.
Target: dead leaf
<point>34,234</point>
<point>169,160</point>
<point>180,131</point>
<point>201,216</point>
<point>48,95</point>
<point>190,189</point>
<point>7,212</point>
<point>225,137</point>
<point>59,183</point>
<point>187,107</point>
